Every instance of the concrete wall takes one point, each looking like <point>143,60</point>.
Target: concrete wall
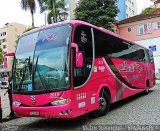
<point>133,34</point>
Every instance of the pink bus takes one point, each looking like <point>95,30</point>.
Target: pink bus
<point>71,68</point>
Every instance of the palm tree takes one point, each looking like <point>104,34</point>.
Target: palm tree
<point>54,8</point>
<point>31,5</point>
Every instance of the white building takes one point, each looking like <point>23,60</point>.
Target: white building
<point>127,8</point>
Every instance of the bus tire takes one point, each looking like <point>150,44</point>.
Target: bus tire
<point>104,104</point>
<point>147,88</point>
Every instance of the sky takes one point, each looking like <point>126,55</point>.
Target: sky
<point>10,11</point>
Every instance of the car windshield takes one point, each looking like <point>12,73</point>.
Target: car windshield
<point>43,65</point>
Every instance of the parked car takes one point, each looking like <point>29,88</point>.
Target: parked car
<point>0,111</point>
<point>4,85</point>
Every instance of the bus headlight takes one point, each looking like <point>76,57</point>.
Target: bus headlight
<point>61,102</point>
<point>16,103</point>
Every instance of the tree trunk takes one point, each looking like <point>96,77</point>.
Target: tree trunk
<point>32,18</point>
<point>54,11</point>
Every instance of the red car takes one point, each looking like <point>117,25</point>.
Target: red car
<point>0,111</point>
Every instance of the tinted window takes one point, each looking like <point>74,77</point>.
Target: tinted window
<point>107,45</point>
<point>102,44</point>
<point>119,48</point>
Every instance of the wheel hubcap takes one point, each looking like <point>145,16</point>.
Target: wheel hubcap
<point>102,103</point>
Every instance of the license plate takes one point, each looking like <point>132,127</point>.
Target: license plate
<point>34,113</point>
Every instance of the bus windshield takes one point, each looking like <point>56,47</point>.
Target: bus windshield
<point>42,61</point>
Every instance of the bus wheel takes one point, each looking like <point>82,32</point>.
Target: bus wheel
<point>104,104</point>
<point>147,89</point>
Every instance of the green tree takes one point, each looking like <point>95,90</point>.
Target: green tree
<point>31,6</point>
<point>98,12</point>
<point>147,11</point>
<point>54,7</point>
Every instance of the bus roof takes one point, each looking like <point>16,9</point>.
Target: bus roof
<point>77,22</point>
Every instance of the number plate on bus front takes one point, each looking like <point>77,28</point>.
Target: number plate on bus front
<point>34,113</point>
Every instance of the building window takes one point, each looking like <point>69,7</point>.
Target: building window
<point>126,15</point>
<point>4,33</point>
<point>132,4</point>
<point>4,46</point>
<point>129,29</point>
<point>141,30</point>
<point>144,29</point>
<point>4,40</point>
<point>156,25</point>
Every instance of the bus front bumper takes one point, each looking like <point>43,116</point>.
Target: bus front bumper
<point>63,111</point>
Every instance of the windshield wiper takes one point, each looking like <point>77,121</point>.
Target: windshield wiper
<point>42,79</point>
<point>27,62</point>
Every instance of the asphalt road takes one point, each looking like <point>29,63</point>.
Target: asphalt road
<point>127,114</point>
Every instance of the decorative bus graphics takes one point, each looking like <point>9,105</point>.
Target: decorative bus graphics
<point>72,68</point>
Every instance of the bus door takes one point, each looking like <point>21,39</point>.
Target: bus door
<point>83,38</point>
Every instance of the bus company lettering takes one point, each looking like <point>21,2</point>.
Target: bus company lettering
<point>100,62</point>
<point>83,37</point>
<point>127,68</point>
<point>54,95</point>
<point>50,37</point>
<point>81,96</point>
<point>139,67</point>
<point>101,68</point>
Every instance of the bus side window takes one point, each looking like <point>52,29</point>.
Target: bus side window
<point>102,44</point>
<point>141,55</point>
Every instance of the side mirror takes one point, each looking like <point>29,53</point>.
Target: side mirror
<point>79,56</point>
<point>79,59</point>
